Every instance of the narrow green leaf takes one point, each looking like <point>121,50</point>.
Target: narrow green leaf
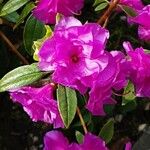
<point>96,2</point>
<point>12,17</point>
<point>20,76</point>
<point>33,31</point>
<point>129,94</point>
<point>79,137</point>
<point>11,6</point>
<point>101,6</point>
<point>128,10</point>
<point>27,9</point>
<point>67,104</point>
<point>107,131</point>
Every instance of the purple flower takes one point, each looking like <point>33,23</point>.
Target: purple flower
<point>144,33</point>
<point>139,62</point>
<point>74,53</point>
<point>38,103</point>
<point>47,10</point>
<point>142,19</point>
<point>134,4</point>
<point>113,76</point>
<point>128,146</point>
<point>55,140</point>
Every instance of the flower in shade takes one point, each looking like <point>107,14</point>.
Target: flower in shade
<point>55,140</point>
<point>139,62</point>
<point>38,103</point>
<point>134,4</point>
<point>128,146</point>
<point>113,76</point>
<point>73,53</point>
<point>46,10</point>
<point>142,19</point>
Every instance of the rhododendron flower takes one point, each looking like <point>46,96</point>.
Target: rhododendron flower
<point>128,146</point>
<point>47,10</point>
<point>134,4</point>
<point>142,19</point>
<point>139,69</point>
<point>38,103</point>
<point>112,76</point>
<point>74,53</point>
<point>55,140</point>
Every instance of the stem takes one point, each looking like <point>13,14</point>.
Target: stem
<point>82,121</point>
<point>124,94</point>
<point>13,48</point>
<point>108,12</point>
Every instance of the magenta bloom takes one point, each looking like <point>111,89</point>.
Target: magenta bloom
<point>144,33</point>
<point>139,69</point>
<point>47,10</point>
<point>55,140</point>
<point>134,4</point>
<point>128,146</point>
<point>73,53</point>
<point>39,104</point>
<point>142,19</point>
<point>113,76</point>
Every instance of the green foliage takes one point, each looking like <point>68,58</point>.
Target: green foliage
<point>129,94</point>
<point>33,31</point>
<point>11,6</point>
<point>12,17</point>
<point>100,4</point>
<point>79,136</point>
<point>128,10</point>
<point>107,131</point>
<point>27,9</point>
<point>67,104</point>
<point>20,76</point>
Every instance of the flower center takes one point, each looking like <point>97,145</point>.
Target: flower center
<point>74,58</point>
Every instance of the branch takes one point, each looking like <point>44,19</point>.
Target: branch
<point>13,48</point>
<point>82,121</point>
<point>103,20</point>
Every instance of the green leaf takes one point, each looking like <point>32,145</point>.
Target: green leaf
<point>128,10</point>
<point>101,6</point>
<point>12,17</point>
<point>67,104</point>
<point>107,131</point>
<point>33,31</point>
<point>129,94</point>
<point>27,9</point>
<point>96,2</point>
<point>79,137</point>
<point>130,106</point>
<point>20,76</point>
<point>11,6</point>
<point>37,44</point>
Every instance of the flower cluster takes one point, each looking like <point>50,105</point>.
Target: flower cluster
<point>77,56</point>
<point>139,62</point>
<point>57,140</point>
<point>76,53</point>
